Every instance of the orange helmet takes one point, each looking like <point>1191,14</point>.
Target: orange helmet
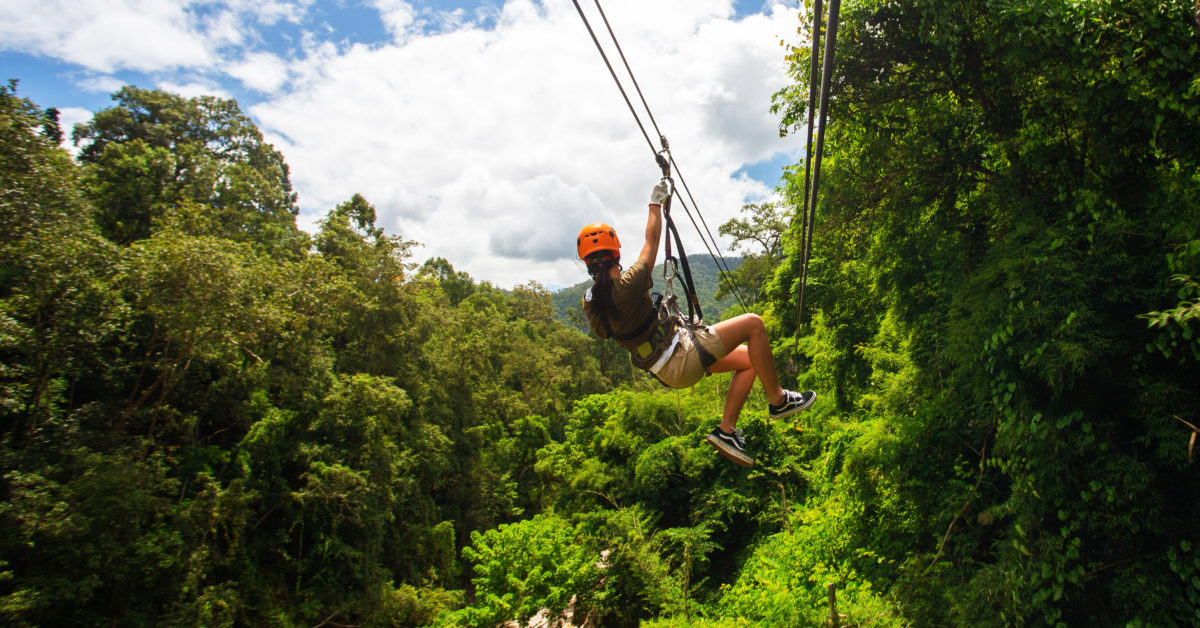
<point>597,237</point>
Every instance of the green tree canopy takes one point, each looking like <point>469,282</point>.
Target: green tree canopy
<point>154,151</point>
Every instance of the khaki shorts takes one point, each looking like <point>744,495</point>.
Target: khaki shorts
<point>683,367</point>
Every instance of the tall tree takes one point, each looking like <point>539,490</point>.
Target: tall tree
<point>1007,187</point>
<point>758,237</point>
<point>58,308</point>
<point>154,151</point>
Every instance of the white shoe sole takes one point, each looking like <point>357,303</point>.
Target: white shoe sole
<point>728,452</point>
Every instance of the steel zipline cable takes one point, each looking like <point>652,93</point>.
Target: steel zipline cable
<point>719,260</point>
<point>810,195</point>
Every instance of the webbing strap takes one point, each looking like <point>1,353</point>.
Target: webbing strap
<point>641,329</point>
<point>693,301</point>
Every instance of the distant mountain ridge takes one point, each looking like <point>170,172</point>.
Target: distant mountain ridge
<point>704,274</point>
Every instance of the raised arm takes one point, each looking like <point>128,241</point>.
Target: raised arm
<point>654,223</point>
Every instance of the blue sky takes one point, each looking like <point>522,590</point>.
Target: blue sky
<point>488,131</point>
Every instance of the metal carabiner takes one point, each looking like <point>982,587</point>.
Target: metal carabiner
<point>670,272</point>
<point>667,203</point>
<point>668,179</point>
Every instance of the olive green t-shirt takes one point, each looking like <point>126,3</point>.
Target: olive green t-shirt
<point>632,305</point>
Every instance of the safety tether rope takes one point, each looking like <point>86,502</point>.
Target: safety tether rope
<point>670,265</point>
<point>718,260</point>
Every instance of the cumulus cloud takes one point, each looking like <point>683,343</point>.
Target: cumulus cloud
<point>68,117</point>
<point>260,71</point>
<point>508,127</point>
<point>490,133</point>
<point>520,219</point>
<point>140,35</point>
<point>193,89</point>
<point>103,35</point>
<point>398,16</point>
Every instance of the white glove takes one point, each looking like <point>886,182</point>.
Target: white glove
<point>660,193</point>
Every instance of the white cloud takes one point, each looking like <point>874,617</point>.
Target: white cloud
<point>272,11</point>
<point>68,117</point>
<point>104,35</point>
<point>221,28</point>
<point>140,35</point>
<point>523,219</point>
<point>492,146</point>
<point>398,16</point>
<point>192,89</point>
<point>260,71</point>
<point>490,134</point>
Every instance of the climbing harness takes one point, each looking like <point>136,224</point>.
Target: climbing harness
<point>654,354</point>
<point>666,322</point>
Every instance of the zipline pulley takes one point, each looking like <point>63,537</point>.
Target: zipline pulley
<point>665,162</point>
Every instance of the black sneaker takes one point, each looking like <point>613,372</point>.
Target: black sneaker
<point>730,446</point>
<point>793,402</point>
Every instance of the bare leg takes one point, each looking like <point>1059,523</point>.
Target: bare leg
<point>737,361</point>
<point>753,360</point>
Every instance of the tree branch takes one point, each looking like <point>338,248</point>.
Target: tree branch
<point>963,510</point>
<point>243,348</point>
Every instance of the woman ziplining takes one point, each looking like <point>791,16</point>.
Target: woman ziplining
<point>678,352</point>
<point>619,305</point>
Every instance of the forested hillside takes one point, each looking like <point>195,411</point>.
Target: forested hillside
<point>210,417</point>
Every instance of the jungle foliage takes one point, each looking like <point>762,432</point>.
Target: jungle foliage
<point>209,417</point>
<point>1012,194</point>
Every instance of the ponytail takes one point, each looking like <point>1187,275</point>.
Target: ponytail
<point>598,266</point>
<point>602,292</point>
